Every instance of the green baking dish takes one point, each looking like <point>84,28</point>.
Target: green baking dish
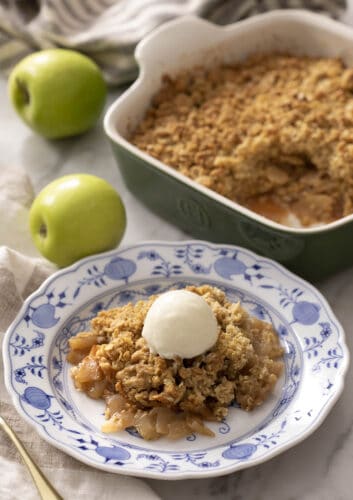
<point>313,253</point>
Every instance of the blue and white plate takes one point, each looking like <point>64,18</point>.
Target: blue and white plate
<point>38,376</point>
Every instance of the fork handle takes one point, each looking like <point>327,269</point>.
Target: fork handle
<point>46,490</point>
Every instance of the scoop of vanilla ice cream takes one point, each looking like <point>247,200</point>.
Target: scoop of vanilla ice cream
<point>180,323</point>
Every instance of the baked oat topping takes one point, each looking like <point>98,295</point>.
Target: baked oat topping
<point>273,133</point>
<point>173,397</point>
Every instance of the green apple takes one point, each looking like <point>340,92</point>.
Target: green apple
<point>75,216</point>
<point>57,92</point>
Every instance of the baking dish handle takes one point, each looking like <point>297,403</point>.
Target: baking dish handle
<point>175,38</point>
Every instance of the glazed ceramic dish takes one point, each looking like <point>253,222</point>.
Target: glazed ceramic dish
<point>37,374</point>
<point>313,253</point>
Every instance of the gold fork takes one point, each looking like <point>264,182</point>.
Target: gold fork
<point>46,490</point>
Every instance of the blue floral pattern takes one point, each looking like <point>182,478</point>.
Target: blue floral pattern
<point>37,374</point>
<point>162,266</point>
<point>303,311</point>
<point>21,346</point>
<point>35,366</point>
<point>116,269</point>
<point>44,315</point>
<point>230,264</point>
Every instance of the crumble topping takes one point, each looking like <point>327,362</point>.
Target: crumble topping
<point>273,133</point>
<point>173,397</point>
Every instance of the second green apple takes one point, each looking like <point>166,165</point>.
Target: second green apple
<point>75,216</point>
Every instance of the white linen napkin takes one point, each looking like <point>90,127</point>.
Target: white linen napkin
<point>20,275</point>
<point>16,195</point>
<point>108,30</point>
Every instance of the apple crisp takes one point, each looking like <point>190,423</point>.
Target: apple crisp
<point>173,397</point>
<point>273,133</point>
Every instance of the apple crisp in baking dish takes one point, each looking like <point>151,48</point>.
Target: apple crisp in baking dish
<point>174,397</point>
<point>273,133</point>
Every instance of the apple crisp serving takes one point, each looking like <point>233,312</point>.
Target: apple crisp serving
<point>273,133</point>
<point>173,397</point>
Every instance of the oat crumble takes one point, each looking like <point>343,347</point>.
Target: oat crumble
<point>273,133</point>
<point>173,397</point>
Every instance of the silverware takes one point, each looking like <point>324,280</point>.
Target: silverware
<point>46,490</point>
